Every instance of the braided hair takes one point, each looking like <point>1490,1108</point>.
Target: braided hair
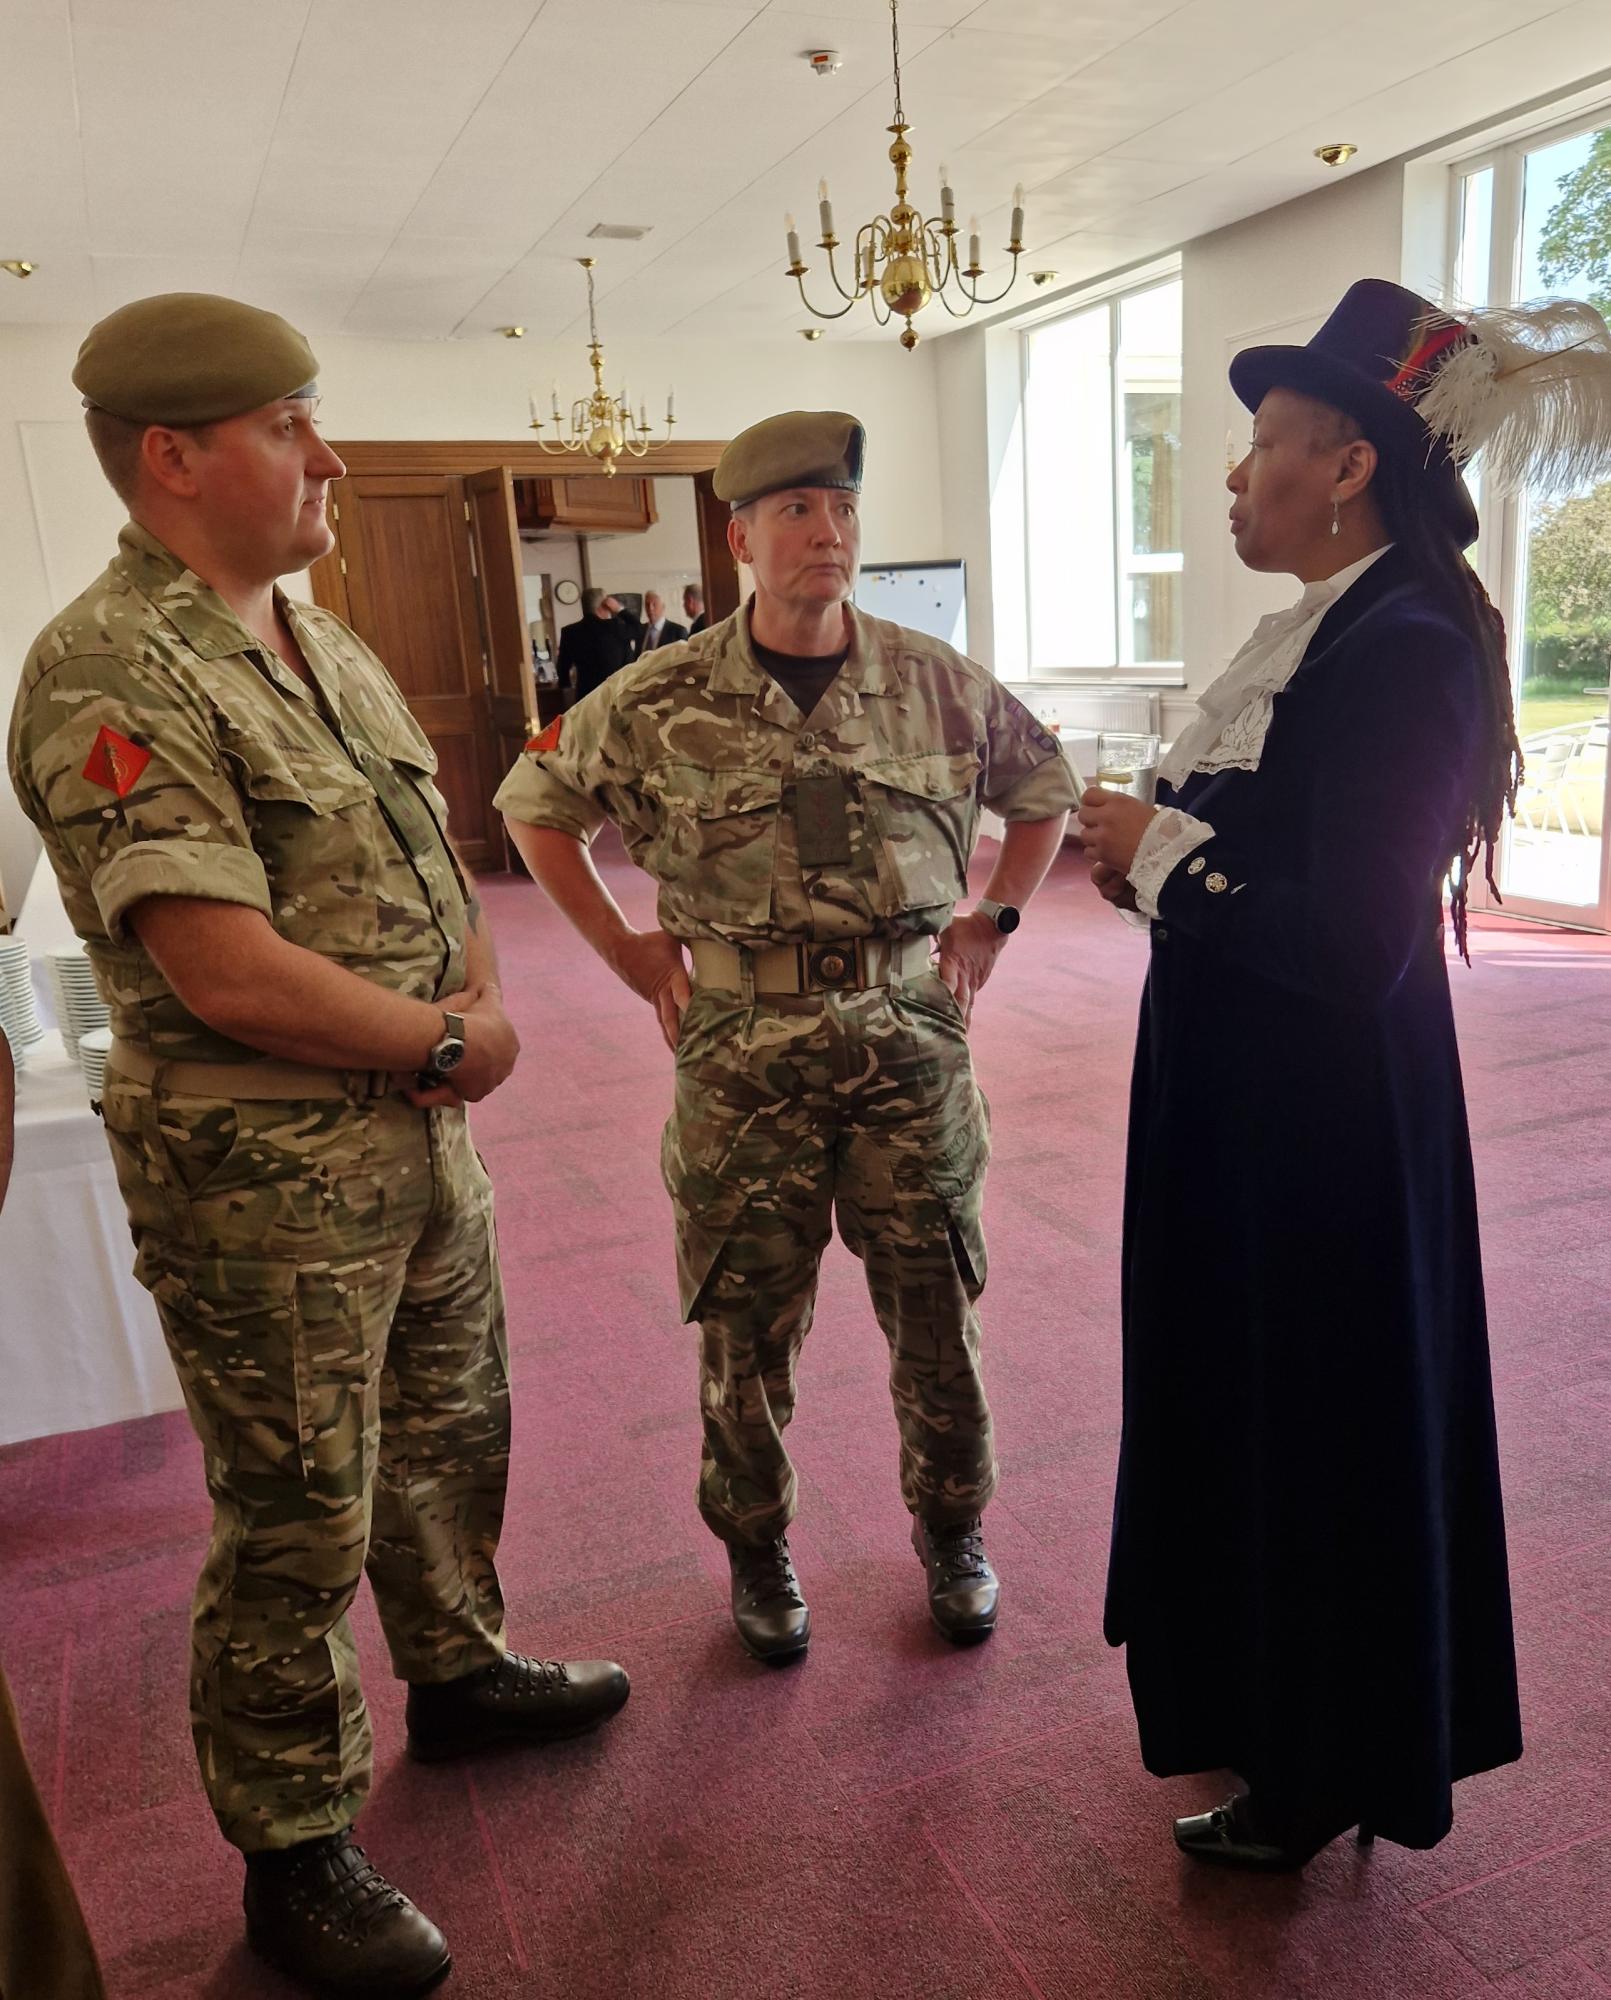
<point>1439,560</point>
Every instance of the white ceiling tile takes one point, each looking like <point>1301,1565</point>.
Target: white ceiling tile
<point>431,169</point>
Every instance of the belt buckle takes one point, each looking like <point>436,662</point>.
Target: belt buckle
<point>832,967</point>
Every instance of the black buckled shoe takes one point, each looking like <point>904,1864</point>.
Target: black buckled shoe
<point>1234,1835</point>
<point>964,1593</point>
<point>515,1700</point>
<point>325,1916</point>
<point>772,1617</point>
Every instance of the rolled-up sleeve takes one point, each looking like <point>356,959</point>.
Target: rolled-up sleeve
<point>132,789</point>
<point>578,773</point>
<point>1027,777</point>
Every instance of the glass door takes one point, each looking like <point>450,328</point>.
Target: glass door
<point>1535,222</point>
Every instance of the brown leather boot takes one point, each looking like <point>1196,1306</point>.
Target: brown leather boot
<point>771,1616</point>
<point>324,1915</point>
<point>514,1700</point>
<point>964,1595</point>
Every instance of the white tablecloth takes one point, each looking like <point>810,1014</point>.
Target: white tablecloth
<point>79,1340</point>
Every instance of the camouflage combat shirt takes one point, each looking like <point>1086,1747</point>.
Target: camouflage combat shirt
<point>698,756</point>
<point>161,749</point>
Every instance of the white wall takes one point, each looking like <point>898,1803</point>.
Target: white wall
<point>61,520</point>
<point>663,558</point>
<point>1272,277</point>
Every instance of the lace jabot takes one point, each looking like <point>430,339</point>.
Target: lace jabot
<point>1234,713</point>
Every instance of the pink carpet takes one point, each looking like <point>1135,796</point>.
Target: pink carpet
<point>893,1818</point>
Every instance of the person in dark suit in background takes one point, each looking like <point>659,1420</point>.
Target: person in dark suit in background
<point>693,608</point>
<point>658,629</point>
<point>595,646</point>
<point>629,621</point>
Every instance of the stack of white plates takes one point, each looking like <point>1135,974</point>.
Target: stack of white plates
<point>19,1018</point>
<point>93,1049</point>
<point>79,1008</point>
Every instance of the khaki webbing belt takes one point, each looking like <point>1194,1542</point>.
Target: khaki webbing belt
<point>847,965</point>
<point>267,1081</point>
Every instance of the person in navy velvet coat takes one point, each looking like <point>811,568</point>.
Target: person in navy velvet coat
<point>1308,1563</point>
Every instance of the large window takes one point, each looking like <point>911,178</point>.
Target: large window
<point>1102,489</point>
<point>1533,220</point>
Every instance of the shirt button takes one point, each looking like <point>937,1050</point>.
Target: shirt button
<point>1161,934</point>
<point>808,741</point>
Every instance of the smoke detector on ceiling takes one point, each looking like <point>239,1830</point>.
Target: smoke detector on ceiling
<point>824,62</point>
<point>621,232</point>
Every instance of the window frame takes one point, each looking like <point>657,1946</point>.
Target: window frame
<point>1124,670</point>
<point>1501,550</point>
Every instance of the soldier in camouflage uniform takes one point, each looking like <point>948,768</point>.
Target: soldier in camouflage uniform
<point>804,784</point>
<point>242,816</point>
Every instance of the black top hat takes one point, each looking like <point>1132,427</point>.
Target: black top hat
<point>1374,359</point>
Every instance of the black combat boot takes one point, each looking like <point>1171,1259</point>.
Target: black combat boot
<point>515,1700</point>
<point>963,1591</point>
<point>325,1916</point>
<point>771,1615</point>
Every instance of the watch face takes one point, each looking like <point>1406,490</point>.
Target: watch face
<point>447,1055</point>
<point>1008,919</point>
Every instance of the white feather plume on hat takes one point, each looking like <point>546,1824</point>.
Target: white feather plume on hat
<point>1530,388</point>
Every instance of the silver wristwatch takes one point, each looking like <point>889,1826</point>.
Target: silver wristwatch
<point>448,1053</point>
<point>1003,915</point>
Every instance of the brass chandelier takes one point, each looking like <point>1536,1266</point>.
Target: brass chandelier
<point>602,426</point>
<point>901,259</point>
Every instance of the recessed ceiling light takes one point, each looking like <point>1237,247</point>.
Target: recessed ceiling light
<point>19,267</point>
<point>1042,277</point>
<point>811,333</point>
<point>621,232</point>
<point>1336,156</point>
<point>513,332</point>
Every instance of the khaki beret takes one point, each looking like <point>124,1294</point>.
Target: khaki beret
<point>191,358</point>
<point>800,448</point>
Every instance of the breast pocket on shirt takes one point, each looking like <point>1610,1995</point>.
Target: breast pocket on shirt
<point>315,831</point>
<point>924,811</point>
<point>715,847</point>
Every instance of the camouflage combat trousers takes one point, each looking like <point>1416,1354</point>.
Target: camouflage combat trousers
<point>789,1111</point>
<point>327,1280</point>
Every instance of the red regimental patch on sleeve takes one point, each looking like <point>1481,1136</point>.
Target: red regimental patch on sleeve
<point>116,763</point>
<point>549,739</point>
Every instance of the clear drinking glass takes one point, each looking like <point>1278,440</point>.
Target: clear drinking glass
<point>1127,763</point>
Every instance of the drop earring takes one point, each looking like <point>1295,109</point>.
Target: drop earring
<point>1336,517</point>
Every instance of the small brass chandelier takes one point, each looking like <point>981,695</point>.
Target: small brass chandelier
<point>901,260</point>
<point>602,426</point>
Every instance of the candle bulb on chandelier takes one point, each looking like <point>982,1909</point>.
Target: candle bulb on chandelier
<point>531,398</point>
<point>671,406</point>
<point>973,243</point>
<point>824,210</point>
<point>1018,215</point>
<point>556,402</point>
<point>794,241</point>
<point>948,200</point>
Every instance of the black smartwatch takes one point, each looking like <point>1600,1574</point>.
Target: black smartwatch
<point>445,1058</point>
<point>1005,918</point>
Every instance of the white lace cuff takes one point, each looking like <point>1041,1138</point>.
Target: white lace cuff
<point>1169,838</point>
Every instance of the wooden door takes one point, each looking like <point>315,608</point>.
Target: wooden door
<point>506,636</point>
<point>716,563</point>
<point>405,558</point>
